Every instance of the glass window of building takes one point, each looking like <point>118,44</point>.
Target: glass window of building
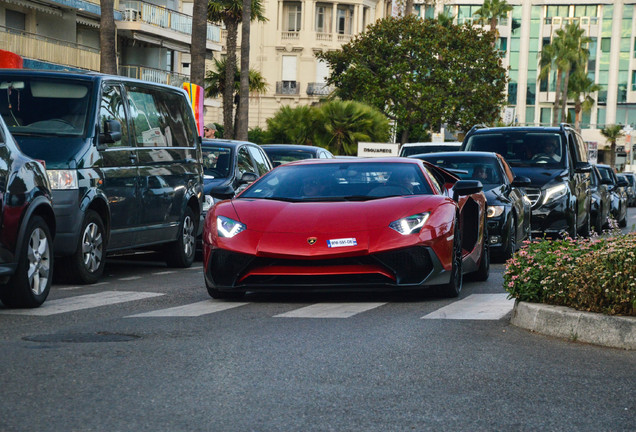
<point>323,17</point>
<point>292,12</point>
<point>344,19</point>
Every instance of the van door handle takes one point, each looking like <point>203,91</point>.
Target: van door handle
<point>133,157</point>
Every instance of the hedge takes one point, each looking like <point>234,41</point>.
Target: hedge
<point>595,275</point>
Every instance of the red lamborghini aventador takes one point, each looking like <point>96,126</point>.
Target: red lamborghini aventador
<point>354,224</point>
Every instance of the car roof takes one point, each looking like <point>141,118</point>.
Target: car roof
<point>220,142</point>
<point>430,143</point>
<point>395,159</point>
<point>502,129</point>
<point>292,147</point>
<point>458,155</point>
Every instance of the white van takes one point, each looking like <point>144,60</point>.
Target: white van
<point>409,149</point>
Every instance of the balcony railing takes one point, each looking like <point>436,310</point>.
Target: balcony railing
<point>318,89</point>
<point>153,75</point>
<point>324,36</point>
<point>287,87</point>
<point>139,11</point>
<point>290,35</point>
<point>48,49</point>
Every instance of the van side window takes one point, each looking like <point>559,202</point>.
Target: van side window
<point>180,128</point>
<point>112,108</point>
<point>150,127</point>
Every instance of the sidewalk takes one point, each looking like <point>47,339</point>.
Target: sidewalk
<point>567,323</point>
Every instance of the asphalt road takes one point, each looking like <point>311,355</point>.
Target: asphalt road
<point>147,349</point>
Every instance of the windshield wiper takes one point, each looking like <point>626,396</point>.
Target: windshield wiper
<point>359,198</point>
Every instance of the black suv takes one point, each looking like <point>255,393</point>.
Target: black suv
<point>555,160</point>
<point>27,227</point>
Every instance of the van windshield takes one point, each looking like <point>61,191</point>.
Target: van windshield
<point>44,106</point>
<point>523,148</point>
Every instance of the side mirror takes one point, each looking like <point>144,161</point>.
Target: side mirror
<point>521,182</point>
<point>582,167</point>
<point>622,183</point>
<point>466,187</point>
<point>112,132</point>
<point>248,178</point>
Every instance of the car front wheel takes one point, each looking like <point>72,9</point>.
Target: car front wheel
<point>180,253</point>
<point>87,264</point>
<point>30,284</point>
<point>454,286</point>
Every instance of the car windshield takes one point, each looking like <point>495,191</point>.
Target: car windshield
<point>413,150</point>
<point>283,156</point>
<point>522,148</point>
<point>340,182</point>
<point>606,173</point>
<point>216,161</point>
<point>44,106</point>
<point>486,170</point>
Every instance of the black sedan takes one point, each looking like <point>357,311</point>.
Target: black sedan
<point>601,205</point>
<point>617,190</point>
<point>284,153</point>
<point>229,166</point>
<point>508,206</point>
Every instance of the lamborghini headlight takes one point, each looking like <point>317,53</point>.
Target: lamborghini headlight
<point>227,227</point>
<point>410,224</point>
<point>495,211</point>
<point>555,192</point>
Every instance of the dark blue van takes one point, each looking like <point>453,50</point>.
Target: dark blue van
<point>123,158</point>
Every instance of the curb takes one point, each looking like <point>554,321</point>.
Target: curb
<point>574,325</point>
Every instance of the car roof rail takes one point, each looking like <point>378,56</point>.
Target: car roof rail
<point>565,125</point>
<point>477,126</point>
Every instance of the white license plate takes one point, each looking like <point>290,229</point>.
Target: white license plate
<point>342,242</point>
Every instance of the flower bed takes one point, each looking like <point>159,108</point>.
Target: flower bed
<point>595,275</point>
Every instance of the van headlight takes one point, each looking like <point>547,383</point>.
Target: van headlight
<point>62,179</point>
<point>555,192</point>
<point>494,211</point>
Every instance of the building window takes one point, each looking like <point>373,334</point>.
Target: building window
<point>292,16</point>
<point>323,18</point>
<point>546,116</point>
<point>344,21</point>
<point>606,44</point>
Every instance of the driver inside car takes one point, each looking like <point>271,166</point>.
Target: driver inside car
<point>548,152</point>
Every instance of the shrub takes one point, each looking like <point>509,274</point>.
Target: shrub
<point>595,275</point>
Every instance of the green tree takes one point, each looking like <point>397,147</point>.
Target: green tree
<point>565,51</point>
<point>421,72</point>
<point>107,50</point>
<point>230,13</point>
<point>340,125</point>
<point>580,89</point>
<point>612,133</point>
<point>215,85</point>
<point>490,12</point>
<point>291,126</point>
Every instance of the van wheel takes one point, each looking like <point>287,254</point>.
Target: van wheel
<point>180,253</point>
<point>30,284</point>
<point>86,265</point>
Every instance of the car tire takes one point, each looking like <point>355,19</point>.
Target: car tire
<point>454,286</point>
<point>511,244</point>
<point>587,228</point>
<point>598,224</point>
<point>483,271</point>
<point>181,252</point>
<point>86,264</point>
<point>623,222</point>
<point>574,226</point>
<point>29,286</point>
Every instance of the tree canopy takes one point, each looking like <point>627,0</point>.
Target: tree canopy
<point>420,72</point>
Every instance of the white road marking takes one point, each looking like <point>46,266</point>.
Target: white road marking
<point>475,307</point>
<point>190,310</point>
<point>131,278</point>
<point>72,288</point>
<point>70,304</point>
<point>330,310</point>
<point>195,268</point>
<point>164,272</point>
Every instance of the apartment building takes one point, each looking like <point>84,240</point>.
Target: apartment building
<point>153,38</point>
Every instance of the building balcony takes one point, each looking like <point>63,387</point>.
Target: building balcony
<point>290,35</point>
<point>144,17</point>
<point>37,47</point>
<point>287,87</point>
<point>153,75</point>
<point>319,89</point>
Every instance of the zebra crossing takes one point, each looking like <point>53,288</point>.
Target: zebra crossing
<point>473,307</point>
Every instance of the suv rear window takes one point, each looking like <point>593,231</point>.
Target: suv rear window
<point>521,148</point>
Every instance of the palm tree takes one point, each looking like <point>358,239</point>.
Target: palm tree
<point>612,133</point>
<point>242,110</point>
<point>580,89</point>
<point>230,13</point>
<point>292,125</point>
<point>566,50</point>
<point>215,85</point>
<point>342,124</point>
<point>490,12</point>
<point>198,41</point>
<point>108,54</point>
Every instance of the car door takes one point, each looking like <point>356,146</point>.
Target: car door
<point>244,164</point>
<point>261,161</point>
<point>581,182</point>
<point>119,169</point>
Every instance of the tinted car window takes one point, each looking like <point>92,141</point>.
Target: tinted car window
<point>112,108</point>
<point>283,156</point>
<point>522,148</point>
<point>244,163</point>
<point>261,160</point>
<point>217,161</point>
<point>149,132</point>
<point>45,106</point>
<point>486,170</point>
